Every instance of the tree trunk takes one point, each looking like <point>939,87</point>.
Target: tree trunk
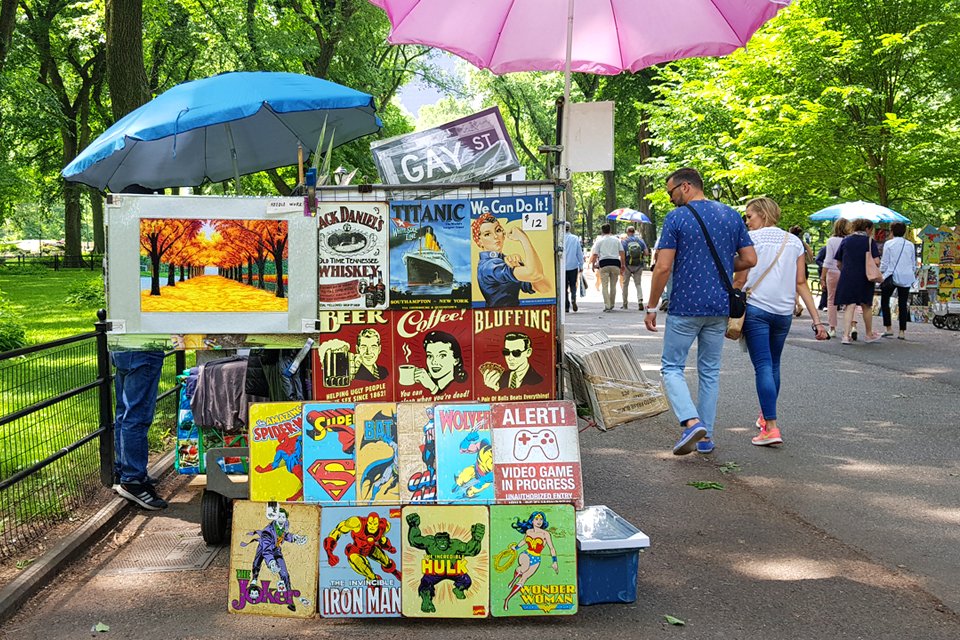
<point>126,75</point>
<point>609,191</point>
<point>96,205</point>
<point>171,275</point>
<point>71,224</point>
<point>8,19</point>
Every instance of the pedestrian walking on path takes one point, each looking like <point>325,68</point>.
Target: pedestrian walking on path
<point>899,268</point>
<point>853,288</point>
<point>607,253</point>
<point>635,254</point>
<point>772,286</point>
<point>699,301</point>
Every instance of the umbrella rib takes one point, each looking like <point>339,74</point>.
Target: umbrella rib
<point>729,26</point>
<point>127,148</point>
<point>496,43</point>
<point>616,27</point>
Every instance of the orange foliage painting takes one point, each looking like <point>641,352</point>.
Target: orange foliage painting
<point>217,266</point>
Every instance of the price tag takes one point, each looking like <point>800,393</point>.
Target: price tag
<point>535,222</point>
<point>285,205</point>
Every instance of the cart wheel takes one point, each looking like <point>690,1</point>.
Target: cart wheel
<point>953,322</point>
<point>939,322</point>
<point>214,517</point>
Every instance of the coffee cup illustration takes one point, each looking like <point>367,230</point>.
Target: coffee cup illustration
<point>408,373</point>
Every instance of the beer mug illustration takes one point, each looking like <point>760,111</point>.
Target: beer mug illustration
<point>336,368</point>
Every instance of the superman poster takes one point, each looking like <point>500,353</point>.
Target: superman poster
<point>329,460</point>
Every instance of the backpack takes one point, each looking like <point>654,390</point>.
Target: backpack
<point>634,252</point>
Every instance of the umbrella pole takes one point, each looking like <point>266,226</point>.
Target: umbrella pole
<point>233,158</point>
<point>564,178</point>
<point>300,162</point>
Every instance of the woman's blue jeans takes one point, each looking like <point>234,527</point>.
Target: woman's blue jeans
<point>765,334</point>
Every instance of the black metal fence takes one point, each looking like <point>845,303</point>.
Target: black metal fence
<point>56,430</point>
<point>90,261</point>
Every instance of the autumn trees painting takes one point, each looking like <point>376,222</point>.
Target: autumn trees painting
<point>224,265</point>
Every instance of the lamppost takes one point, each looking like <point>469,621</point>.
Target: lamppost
<point>716,191</point>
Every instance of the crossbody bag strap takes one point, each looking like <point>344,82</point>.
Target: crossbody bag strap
<point>897,263</point>
<point>783,245</point>
<point>724,278</point>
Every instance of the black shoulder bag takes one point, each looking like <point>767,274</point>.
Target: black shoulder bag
<point>738,299</point>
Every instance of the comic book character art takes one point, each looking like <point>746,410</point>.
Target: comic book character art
<point>384,474</point>
<point>369,540</point>
<point>472,480</point>
<point>502,277</point>
<point>428,447</point>
<point>535,537</point>
<point>290,455</point>
<point>444,560</point>
<point>345,432</point>
<point>270,541</point>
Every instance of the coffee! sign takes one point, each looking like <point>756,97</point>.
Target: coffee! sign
<point>467,150</point>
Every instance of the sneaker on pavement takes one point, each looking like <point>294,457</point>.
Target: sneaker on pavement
<point>767,437</point>
<point>153,482</point>
<point>705,446</point>
<point>142,494</point>
<point>688,441</point>
<point>761,423</point>
<point>575,307</point>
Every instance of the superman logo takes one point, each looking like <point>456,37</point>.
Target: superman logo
<point>334,476</point>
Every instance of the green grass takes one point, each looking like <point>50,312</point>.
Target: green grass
<point>40,299</point>
<point>48,496</point>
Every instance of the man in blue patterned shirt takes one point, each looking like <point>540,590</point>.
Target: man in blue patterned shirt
<point>699,303</point>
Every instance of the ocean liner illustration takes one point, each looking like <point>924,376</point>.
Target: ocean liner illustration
<point>428,263</point>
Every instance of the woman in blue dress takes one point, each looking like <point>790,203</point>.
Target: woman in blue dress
<point>853,288</point>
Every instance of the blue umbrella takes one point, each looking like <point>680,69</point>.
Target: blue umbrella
<point>220,127</point>
<point>859,209</point>
<point>628,215</point>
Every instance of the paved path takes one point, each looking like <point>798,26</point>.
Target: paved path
<point>850,530</point>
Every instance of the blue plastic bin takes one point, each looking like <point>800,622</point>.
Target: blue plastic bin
<point>608,556</point>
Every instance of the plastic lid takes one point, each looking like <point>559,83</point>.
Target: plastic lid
<point>601,528</point>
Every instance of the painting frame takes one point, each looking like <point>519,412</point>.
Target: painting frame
<point>123,216</point>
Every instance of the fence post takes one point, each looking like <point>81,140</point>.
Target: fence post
<point>180,361</point>
<point>106,400</point>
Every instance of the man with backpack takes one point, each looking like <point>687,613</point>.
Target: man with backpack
<point>635,254</point>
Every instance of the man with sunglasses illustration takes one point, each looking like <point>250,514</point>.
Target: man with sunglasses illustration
<point>517,349</point>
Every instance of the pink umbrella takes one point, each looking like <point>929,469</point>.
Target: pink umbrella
<point>592,36</point>
<point>609,36</point>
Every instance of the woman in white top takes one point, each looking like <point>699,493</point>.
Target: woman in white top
<point>773,285</point>
<point>898,260</point>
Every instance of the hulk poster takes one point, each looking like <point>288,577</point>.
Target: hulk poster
<point>446,560</point>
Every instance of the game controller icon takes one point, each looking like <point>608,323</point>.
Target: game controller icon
<point>543,440</point>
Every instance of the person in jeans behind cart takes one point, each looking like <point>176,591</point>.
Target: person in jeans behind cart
<point>136,380</point>
<point>699,302</point>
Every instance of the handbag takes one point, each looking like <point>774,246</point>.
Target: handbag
<point>888,285</point>
<point>738,299</point>
<point>873,271</point>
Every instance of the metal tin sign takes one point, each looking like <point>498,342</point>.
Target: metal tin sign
<point>466,150</point>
